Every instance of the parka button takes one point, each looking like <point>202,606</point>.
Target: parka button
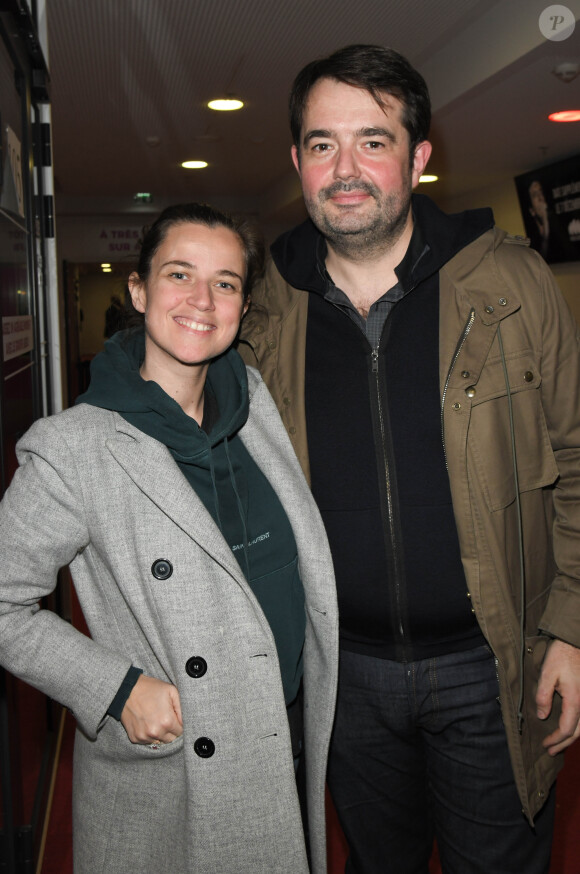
<point>456,406</point>
<point>292,430</point>
<point>502,301</point>
<point>530,650</point>
<point>204,747</point>
<point>196,667</point>
<point>470,391</point>
<point>465,374</point>
<point>541,793</point>
<point>162,569</point>
<point>489,309</point>
<point>528,376</point>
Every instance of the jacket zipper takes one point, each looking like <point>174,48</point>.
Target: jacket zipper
<point>390,504</point>
<point>456,354</point>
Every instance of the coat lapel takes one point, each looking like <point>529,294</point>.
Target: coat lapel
<point>154,471</point>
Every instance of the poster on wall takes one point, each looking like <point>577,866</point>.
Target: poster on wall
<point>550,204</point>
<point>11,194</point>
<point>17,336</point>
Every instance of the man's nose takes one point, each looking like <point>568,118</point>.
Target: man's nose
<point>346,166</point>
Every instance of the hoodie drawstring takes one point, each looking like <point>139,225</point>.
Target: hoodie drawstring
<point>240,508</point>
<point>215,492</point>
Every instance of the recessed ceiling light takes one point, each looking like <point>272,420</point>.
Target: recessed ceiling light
<point>105,264</point>
<point>227,104</point>
<point>565,115</point>
<point>194,165</point>
<point>143,197</point>
<point>427,178</point>
<point>107,269</point>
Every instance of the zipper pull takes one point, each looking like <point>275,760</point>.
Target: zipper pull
<point>375,360</point>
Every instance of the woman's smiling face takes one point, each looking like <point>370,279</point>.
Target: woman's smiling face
<point>193,297</point>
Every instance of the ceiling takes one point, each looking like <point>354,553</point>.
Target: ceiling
<point>130,80</point>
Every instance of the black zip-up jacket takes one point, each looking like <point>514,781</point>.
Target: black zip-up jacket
<point>377,464</point>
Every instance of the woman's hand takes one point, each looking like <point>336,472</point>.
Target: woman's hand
<point>152,712</point>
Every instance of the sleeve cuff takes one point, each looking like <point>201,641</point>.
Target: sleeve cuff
<point>118,703</point>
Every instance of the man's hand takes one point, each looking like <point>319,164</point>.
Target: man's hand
<point>152,712</point>
<point>560,673</point>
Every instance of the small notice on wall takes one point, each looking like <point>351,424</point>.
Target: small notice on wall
<point>17,337</point>
<point>12,196</point>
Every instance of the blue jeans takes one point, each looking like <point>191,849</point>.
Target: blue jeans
<point>419,751</point>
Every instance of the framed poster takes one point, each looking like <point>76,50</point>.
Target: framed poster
<point>550,204</point>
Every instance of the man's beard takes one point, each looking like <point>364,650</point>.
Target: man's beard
<point>360,236</point>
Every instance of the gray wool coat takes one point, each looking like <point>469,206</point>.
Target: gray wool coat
<point>96,493</point>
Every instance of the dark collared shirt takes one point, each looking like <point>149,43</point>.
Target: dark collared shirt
<point>373,325</point>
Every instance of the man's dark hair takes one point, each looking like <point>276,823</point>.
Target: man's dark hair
<point>375,69</point>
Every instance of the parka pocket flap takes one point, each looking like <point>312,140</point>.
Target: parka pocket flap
<point>490,445</point>
<point>523,375</point>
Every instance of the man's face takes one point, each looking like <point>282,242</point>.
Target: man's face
<point>354,165</point>
<point>539,207</point>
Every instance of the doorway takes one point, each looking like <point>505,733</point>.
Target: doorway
<point>93,299</point>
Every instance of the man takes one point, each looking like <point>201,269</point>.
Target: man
<point>539,212</point>
<point>547,235</point>
<point>404,347</point>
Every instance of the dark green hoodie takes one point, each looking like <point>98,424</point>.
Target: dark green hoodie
<point>225,477</point>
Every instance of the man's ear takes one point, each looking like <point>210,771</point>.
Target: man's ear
<point>420,159</point>
<point>295,158</point>
<point>137,292</point>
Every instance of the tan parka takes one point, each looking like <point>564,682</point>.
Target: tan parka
<point>494,292</point>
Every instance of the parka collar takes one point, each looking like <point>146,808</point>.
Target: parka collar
<point>478,281</point>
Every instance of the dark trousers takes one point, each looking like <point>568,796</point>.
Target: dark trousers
<point>418,751</point>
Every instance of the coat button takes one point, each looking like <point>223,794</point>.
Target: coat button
<point>161,569</point>
<point>456,406</point>
<point>502,301</point>
<point>470,391</point>
<point>488,309</point>
<point>204,747</point>
<point>196,667</point>
<point>465,374</point>
<point>528,376</point>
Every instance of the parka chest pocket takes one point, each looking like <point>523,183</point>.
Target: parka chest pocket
<point>489,446</point>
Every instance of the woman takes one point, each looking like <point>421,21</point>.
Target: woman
<point>202,570</point>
